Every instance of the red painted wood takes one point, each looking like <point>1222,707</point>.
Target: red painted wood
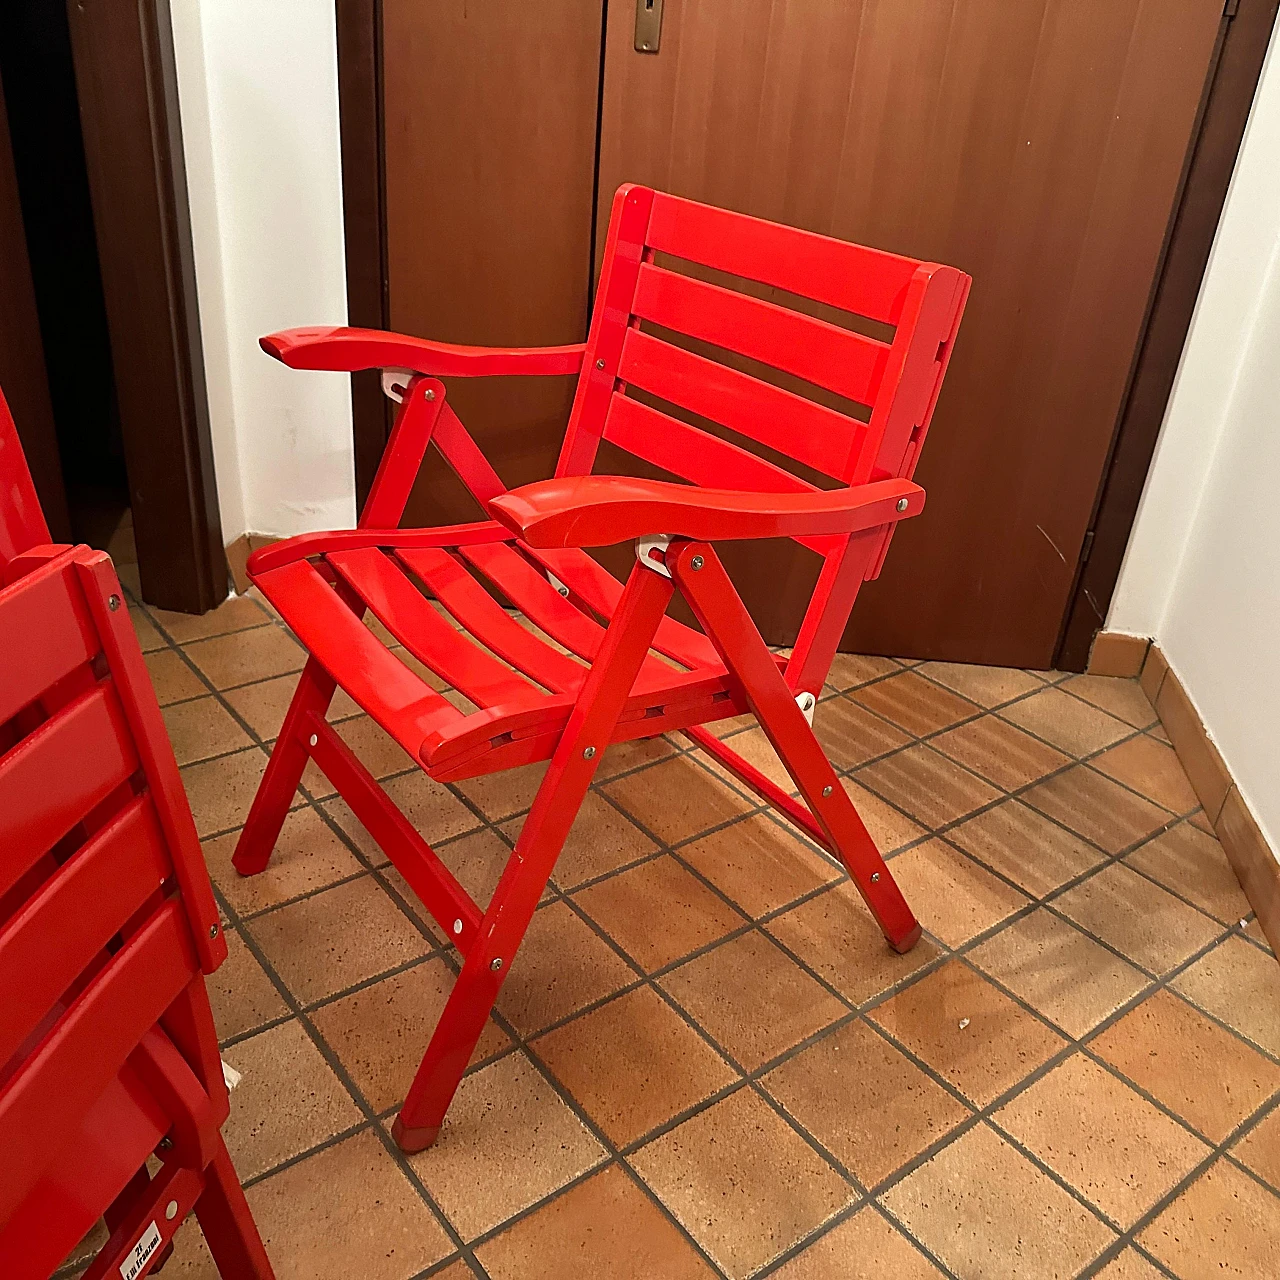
<point>463,454</point>
<point>22,522</point>
<point>306,546</point>
<point>406,447</point>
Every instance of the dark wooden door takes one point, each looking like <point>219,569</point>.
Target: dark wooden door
<point>490,135</point>
<point>1038,145</point>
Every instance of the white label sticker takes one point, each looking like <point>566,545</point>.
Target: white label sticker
<point>132,1266</point>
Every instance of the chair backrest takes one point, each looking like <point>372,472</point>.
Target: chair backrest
<point>22,522</point>
<point>106,912</point>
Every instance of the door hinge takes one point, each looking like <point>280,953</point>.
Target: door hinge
<point>1231,9</point>
<point>1086,548</point>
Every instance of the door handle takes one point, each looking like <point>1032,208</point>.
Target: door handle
<point>648,25</point>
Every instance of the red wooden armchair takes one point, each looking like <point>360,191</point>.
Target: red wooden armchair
<point>108,1052</point>
<point>24,534</point>
<point>537,703</point>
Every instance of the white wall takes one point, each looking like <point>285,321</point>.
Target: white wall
<point>258,88</point>
<point>1202,572</point>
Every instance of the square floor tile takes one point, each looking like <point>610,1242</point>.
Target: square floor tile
<point>755,748</point>
<point>752,998</point>
<point>892,1114</point>
<point>381,1031</point>
<point>1013,1220</point>
<point>952,896</point>
<point>1130,1265</point>
<point>1192,864</point>
<point>307,856</point>
<point>1239,985</point>
<point>1072,980</point>
<point>888,827</point>
<point>220,791</point>
<point>1224,1224</point>
<point>987,686</point>
<point>1150,768</point>
<point>432,808</point>
<point>262,705</point>
<point>477,861</point>
<point>172,679</point>
<point>742,1183</point>
<point>1071,725</point>
<point>622,757</point>
<point>237,613</point>
<point>1000,752</point>
<point>202,728</point>
<point>346,1211</point>
<point>676,799</point>
<point>604,1226</point>
<point>1025,847</point>
<point>758,863</point>
<point>1118,697</point>
<point>925,784</point>
<point>507,1142</point>
<point>970,1033</point>
<point>287,1100</point>
<point>658,912</point>
<point>227,661</point>
<point>374,747</point>
<point>562,966</point>
<point>330,941</point>
<point>1254,930</point>
<point>1138,918</point>
<point>1102,1138</point>
<point>149,639</point>
<point>851,669</point>
<point>242,996</point>
<point>836,936</point>
<point>633,1064</point>
<point>1260,1149</point>
<point>864,1246</point>
<point>502,795</point>
<point>601,840</point>
<point>1209,1077</point>
<point>1097,808</point>
<point>915,704</point>
<point>851,735</point>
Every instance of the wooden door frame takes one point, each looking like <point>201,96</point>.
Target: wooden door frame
<point>1211,157</point>
<point>126,80</point>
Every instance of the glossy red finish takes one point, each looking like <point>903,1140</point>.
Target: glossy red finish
<point>22,522</point>
<point>107,927</point>
<point>587,671</point>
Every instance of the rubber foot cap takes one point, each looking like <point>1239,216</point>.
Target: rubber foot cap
<point>413,1140</point>
<point>903,945</point>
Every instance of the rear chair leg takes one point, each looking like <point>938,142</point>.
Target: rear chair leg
<point>228,1226</point>
<point>284,771</point>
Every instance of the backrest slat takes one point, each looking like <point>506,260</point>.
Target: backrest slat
<point>22,522</point>
<point>810,433</point>
<point>842,361</point>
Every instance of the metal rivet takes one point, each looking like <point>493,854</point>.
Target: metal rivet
<point>113,603</point>
<point>826,791</point>
<point>496,963</point>
<point>902,504</point>
<point>457,926</point>
<point>313,740</point>
<point>428,394</point>
<point>166,1144</point>
<point>696,563</point>
<point>875,877</point>
<point>599,364</point>
<point>588,752</point>
<point>171,1210</point>
<point>213,931</point>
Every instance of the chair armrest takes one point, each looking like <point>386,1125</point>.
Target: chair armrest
<point>595,511</point>
<point>345,350</point>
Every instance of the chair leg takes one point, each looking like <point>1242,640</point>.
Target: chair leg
<point>228,1226</point>
<point>725,619</point>
<point>284,771</point>
<point>488,960</point>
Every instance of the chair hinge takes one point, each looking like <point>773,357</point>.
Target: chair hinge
<point>1086,548</point>
<point>395,382</point>
<point>806,702</point>
<point>646,546</point>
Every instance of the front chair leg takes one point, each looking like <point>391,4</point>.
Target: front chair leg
<point>705,585</point>
<point>588,732</point>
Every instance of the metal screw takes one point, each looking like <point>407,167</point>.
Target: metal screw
<point>171,1210</point>
<point>696,563</point>
<point>213,931</point>
<point>113,603</point>
<point>875,877</point>
<point>599,364</point>
<point>428,394</point>
<point>902,504</point>
<point>826,791</point>
<point>166,1144</point>
<point>588,753</point>
<point>312,740</point>
<point>496,963</point>
<point>457,926</point>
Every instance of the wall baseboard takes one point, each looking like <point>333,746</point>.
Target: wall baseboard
<point>1252,858</point>
<point>238,553</point>
<point>1117,654</point>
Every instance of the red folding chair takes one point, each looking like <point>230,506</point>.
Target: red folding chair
<point>536,702</point>
<point>108,1053</point>
<point>24,535</point>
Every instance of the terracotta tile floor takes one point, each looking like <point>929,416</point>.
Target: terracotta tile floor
<point>706,1062</point>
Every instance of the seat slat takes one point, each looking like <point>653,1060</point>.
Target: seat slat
<point>406,613</point>
<point>56,775</point>
<point>863,281</point>
<point>810,433</point>
<point>824,354</point>
<point>393,695</point>
<point>696,456</point>
<point>482,617</point>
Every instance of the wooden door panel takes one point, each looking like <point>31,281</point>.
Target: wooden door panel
<point>490,122</point>
<point>1038,146</point>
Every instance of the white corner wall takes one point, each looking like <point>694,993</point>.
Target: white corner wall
<point>1202,572</point>
<point>258,91</point>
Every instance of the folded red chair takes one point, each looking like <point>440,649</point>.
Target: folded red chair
<point>108,926</point>
<point>620,668</point>
<point>24,535</point>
